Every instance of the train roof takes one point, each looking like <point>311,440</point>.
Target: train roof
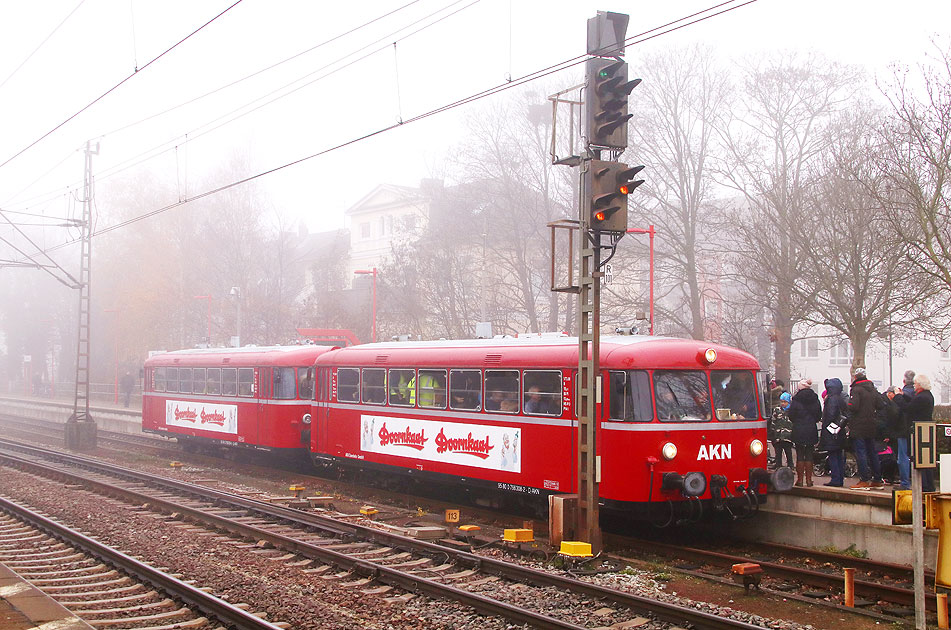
<point>617,351</point>
<point>247,355</point>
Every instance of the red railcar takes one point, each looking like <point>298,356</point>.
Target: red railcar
<point>681,423</point>
<point>241,397</point>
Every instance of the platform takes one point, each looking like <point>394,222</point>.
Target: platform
<point>23,606</point>
<point>822,517</point>
<point>108,417</point>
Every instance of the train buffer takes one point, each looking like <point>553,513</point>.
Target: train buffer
<point>748,574</point>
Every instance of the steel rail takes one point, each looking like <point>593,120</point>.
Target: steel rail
<point>195,598</point>
<point>664,611</point>
<point>363,568</point>
<point>810,577</point>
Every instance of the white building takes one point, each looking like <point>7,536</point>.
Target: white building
<point>387,215</point>
<point>820,358</point>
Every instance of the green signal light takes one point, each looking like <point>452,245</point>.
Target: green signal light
<point>602,73</point>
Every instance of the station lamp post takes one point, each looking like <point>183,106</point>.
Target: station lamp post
<point>370,272</point>
<point>52,358</point>
<point>208,317</point>
<point>116,323</point>
<point>236,293</point>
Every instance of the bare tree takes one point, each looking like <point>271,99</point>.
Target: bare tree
<point>917,164</point>
<point>674,133</point>
<point>850,279</point>
<point>775,137</point>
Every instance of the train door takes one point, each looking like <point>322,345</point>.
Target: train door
<point>320,422</point>
<point>262,377</point>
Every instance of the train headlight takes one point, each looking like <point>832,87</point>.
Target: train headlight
<point>669,451</point>
<point>756,448</point>
<point>306,418</point>
<point>710,355</point>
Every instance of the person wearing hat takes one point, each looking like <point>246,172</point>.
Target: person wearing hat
<point>780,431</point>
<point>864,403</point>
<point>804,412</point>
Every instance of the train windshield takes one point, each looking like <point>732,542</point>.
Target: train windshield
<point>682,396</point>
<point>734,396</point>
<point>630,397</point>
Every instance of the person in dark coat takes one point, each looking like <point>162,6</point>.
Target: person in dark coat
<point>902,397</point>
<point>835,416</point>
<point>805,411</point>
<point>889,426</point>
<point>864,403</point>
<point>127,385</point>
<point>919,408</point>
<point>779,431</point>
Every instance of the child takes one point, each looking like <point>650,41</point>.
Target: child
<point>780,431</point>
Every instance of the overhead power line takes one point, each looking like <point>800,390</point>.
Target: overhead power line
<point>170,144</point>
<point>694,18</point>
<point>117,85</point>
<point>46,39</point>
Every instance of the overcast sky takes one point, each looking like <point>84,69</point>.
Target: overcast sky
<point>95,44</point>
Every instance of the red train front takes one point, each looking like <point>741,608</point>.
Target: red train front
<point>681,423</point>
<point>236,397</point>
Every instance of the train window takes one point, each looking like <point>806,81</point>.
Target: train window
<point>374,386</point>
<point>734,397</point>
<point>159,376</point>
<point>305,385</point>
<point>213,381</point>
<point>198,380</point>
<point>682,396</point>
<point>171,379</point>
<point>431,389</point>
<point>348,385</point>
<point>245,381</point>
<point>542,393</point>
<point>501,391</point>
<point>185,380</point>
<point>229,381</point>
<point>402,387</point>
<point>763,385</point>
<point>283,382</point>
<point>465,389</point>
<point>630,397</point>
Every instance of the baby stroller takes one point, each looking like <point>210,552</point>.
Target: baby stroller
<point>820,465</point>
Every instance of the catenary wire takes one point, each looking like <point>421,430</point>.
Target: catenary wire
<point>46,39</point>
<point>117,85</point>
<point>191,135</point>
<point>532,76</point>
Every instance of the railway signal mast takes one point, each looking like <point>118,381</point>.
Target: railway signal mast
<point>605,184</point>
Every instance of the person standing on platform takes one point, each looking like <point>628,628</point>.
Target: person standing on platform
<point>805,411</point>
<point>864,403</point>
<point>126,385</point>
<point>780,431</point>
<point>889,423</point>
<point>918,408</point>
<point>835,416</point>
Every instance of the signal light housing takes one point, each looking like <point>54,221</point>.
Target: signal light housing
<point>606,102</point>
<point>607,185</point>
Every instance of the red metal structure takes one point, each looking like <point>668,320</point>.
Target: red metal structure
<point>238,397</point>
<point>681,423</point>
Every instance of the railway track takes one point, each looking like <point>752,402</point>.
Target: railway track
<point>103,586</point>
<point>817,583</point>
<point>361,556</point>
<point>782,572</point>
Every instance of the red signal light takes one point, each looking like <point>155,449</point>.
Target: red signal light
<point>600,216</point>
<point>624,190</point>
